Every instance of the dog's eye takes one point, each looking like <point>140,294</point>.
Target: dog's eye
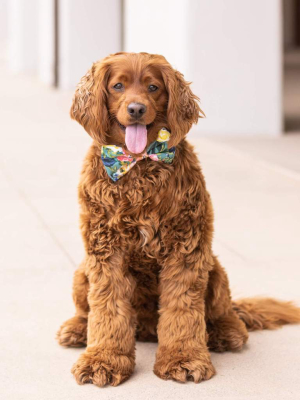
<point>152,88</point>
<point>118,86</point>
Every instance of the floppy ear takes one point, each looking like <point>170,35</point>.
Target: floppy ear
<point>183,107</point>
<point>89,102</point>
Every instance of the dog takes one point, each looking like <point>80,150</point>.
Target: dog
<point>146,220</point>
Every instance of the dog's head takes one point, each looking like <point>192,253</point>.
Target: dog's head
<point>127,98</point>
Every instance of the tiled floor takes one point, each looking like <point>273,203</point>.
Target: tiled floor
<point>256,196</point>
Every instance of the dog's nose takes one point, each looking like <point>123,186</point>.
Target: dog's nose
<point>136,110</point>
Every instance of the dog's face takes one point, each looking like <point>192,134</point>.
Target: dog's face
<point>137,103</point>
<point>127,98</point>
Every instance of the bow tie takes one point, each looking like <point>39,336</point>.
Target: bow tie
<point>117,163</point>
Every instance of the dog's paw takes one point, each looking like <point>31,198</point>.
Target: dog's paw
<point>227,334</point>
<point>184,366</point>
<point>102,368</point>
<point>73,332</point>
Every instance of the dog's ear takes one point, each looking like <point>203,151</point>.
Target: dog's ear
<point>183,106</point>
<point>89,106</point>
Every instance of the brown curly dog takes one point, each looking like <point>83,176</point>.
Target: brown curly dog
<point>149,272</point>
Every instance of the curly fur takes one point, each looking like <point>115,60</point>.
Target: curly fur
<point>149,271</point>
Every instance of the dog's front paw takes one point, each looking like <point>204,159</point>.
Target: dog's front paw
<point>73,332</point>
<point>183,366</point>
<point>102,368</point>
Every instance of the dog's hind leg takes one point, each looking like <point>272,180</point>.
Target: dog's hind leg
<point>225,330</point>
<point>73,332</point>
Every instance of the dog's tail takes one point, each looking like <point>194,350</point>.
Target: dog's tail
<point>266,313</point>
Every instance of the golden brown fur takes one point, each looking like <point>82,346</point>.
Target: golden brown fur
<point>149,271</point>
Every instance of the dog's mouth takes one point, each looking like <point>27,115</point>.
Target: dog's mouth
<point>135,137</point>
<point>123,127</point>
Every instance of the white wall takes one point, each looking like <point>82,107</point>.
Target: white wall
<point>46,42</point>
<point>230,49</point>
<point>89,30</point>
<point>23,35</point>
<point>159,27</point>
<point>3,28</point>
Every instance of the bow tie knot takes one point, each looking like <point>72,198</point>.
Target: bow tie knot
<point>117,163</point>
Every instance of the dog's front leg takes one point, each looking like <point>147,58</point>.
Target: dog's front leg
<point>182,352</point>
<point>110,354</point>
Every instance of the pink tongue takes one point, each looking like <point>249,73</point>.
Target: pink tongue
<point>136,138</point>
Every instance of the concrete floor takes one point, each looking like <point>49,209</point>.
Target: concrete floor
<point>257,213</point>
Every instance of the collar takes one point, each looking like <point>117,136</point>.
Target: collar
<point>117,163</point>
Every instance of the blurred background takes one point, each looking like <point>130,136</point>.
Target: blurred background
<point>243,57</point>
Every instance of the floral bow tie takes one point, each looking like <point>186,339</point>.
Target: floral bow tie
<point>117,163</point>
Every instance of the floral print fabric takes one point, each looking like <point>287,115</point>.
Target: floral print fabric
<point>117,163</point>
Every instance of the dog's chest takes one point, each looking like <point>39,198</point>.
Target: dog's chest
<point>139,211</point>
<point>140,215</point>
